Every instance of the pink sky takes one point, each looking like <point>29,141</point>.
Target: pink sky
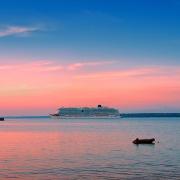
<point>41,87</point>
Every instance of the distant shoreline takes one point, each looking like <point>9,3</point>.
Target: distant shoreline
<point>148,115</point>
<point>17,117</point>
<point>122,115</point>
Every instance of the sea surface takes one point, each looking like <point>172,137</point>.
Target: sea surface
<point>50,149</point>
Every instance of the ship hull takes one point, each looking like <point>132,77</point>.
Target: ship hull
<point>85,117</point>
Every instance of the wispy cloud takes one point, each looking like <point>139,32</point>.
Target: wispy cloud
<point>79,69</point>
<point>17,30</point>
<point>78,65</point>
<point>133,73</point>
<point>52,66</point>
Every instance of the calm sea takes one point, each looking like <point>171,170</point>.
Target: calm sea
<point>46,149</point>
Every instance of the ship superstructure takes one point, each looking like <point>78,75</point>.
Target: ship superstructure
<point>99,111</point>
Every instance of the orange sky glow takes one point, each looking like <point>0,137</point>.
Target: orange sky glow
<point>41,87</point>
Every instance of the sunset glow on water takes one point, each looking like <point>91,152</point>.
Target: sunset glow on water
<point>89,149</point>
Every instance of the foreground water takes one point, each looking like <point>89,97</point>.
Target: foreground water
<point>49,149</point>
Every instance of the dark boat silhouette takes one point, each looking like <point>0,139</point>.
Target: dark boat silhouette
<point>1,119</point>
<point>87,112</point>
<point>144,141</point>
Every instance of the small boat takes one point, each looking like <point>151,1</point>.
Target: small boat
<point>1,118</point>
<point>144,141</point>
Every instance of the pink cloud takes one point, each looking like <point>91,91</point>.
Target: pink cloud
<point>133,73</point>
<point>79,65</point>
<point>51,66</point>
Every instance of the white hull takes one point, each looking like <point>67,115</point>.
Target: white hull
<point>85,117</point>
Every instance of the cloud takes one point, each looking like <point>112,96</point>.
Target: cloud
<point>5,67</point>
<point>17,31</point>
<point>133,73</point>
<point>79,65</point>
<point>52,66</point>
<point>75,69</point>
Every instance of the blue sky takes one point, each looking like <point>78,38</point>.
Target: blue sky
<point>139,31</point>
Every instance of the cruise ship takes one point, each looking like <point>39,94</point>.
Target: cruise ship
<point>86,112</point>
